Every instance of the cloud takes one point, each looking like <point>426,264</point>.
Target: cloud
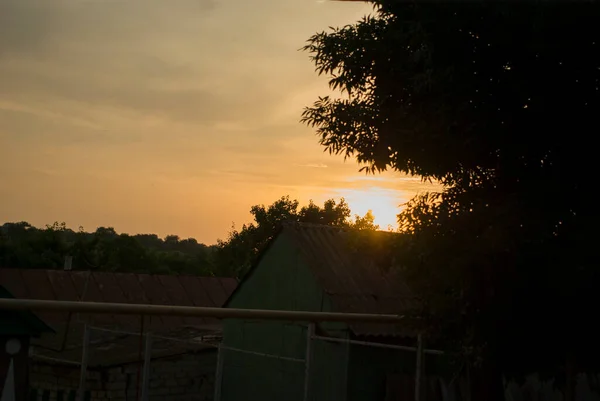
<point>200,61</point>
<point>148,57</point>
<point>27,111</point>
<point>313,165</point>
<point>42,28</point>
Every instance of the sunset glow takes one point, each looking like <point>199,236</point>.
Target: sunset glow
<point>169,117</point>
<point>384,203</point>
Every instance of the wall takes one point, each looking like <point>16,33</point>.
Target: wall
<point>283,281</point>
<point>183,378</point>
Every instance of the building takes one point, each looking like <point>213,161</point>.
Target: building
<point>324,269</point>
<point>183,349</point>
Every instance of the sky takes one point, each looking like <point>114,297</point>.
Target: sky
<point>169,117</point>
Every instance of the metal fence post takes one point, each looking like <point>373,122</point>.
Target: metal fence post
<point>219,374</point>
<point>309,337</point>
<point>346,366</point>
<point>146,372</point>
<point>84,363</point>
<point>419,372</point>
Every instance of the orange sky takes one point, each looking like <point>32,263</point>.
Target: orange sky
<point>168,117</point>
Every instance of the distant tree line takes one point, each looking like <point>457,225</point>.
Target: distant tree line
<point>25,246</point>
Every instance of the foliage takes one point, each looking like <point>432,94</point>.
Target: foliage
<point>238,252</point>
<point>495,101</point>
<point>22,245</point>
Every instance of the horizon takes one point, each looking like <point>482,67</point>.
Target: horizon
<point>170,118</point>
<point>161,237</point>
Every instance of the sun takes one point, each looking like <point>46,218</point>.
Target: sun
<point>385,204</point>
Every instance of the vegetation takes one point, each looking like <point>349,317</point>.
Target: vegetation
<point>496,101</point>
<point>241,248</point>
<point>24,246</point>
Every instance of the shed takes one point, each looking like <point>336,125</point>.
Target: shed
<point>319,269</point>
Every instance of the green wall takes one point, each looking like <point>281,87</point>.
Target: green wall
<point>281,281</point>
<point>339,372</point>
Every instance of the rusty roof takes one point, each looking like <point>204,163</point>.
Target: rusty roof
<point>112,347</point>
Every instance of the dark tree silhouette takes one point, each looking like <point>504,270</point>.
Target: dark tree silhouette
<point>236,254</point>
<point>22,245</point>
<point>498,102</point>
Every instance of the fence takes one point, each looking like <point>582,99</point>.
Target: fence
<point>308,367</point>
<point>273,361</point>
<point>115,364</point>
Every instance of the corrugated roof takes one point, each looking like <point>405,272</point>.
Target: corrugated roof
<point>120,288</point>
<point>354,269</point>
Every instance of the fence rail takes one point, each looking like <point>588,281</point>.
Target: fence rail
<point>305,317</point>
<point>219,313</point>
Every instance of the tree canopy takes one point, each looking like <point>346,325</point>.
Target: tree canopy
<point>25,246</point>
<point>241,247</point>
<point>497,101</point>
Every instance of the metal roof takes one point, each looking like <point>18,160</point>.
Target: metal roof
<point>355,270</point>
<point>115,348</point>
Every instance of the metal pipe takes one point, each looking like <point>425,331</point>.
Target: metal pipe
<point>219,374</point>
<point>379,345</point>
<point>139,369</point>
<point>84,363</point>
<point>310,334</point>
<point>347,348</point>
<point>147,363</point>
<point>220,313</point>
<point>419,368</point>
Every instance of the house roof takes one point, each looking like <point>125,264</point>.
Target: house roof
<point>119,288</point>
<point>354,268</point>
<point>20,322</point>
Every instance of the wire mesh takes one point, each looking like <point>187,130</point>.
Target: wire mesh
<point>182,361</point>
<point>262,360</point>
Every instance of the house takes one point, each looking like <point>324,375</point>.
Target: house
<point>323,269</point>
<point>183,349</point>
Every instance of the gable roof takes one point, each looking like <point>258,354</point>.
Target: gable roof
<point>354,268</point>
<point>118,288</point>
<point>20,322</point>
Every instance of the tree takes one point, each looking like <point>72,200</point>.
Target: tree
<point>237,253</point>
<point>495,101</point>
<point>367,222</point>
<point>25,246</point>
